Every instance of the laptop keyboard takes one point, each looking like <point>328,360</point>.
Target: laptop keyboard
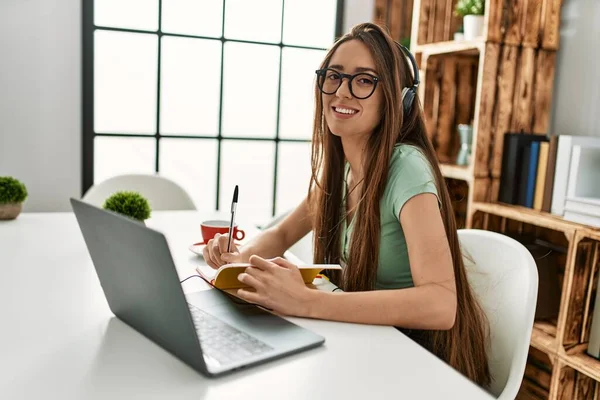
<point>221,341</point>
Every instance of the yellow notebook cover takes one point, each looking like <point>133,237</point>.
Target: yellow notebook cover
<point>226,277</point>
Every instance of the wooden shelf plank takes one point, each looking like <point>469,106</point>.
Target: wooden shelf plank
<point>453,171</point>
<point>451,46</point>
<point>528,215</point>
<point>584,363</point>
<point>592,233</point>
<point>547,327</point>
<point>542,340</point>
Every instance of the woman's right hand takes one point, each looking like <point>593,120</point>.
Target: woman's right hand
<point>215,252</point>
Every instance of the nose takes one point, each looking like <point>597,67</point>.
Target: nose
<point>344,89</point>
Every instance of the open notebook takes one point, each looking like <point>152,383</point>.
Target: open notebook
<point>226,277</point>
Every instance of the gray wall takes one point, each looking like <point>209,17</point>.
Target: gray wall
<point>40,97</point>
<point>576,98</point>
<point>40,89</point>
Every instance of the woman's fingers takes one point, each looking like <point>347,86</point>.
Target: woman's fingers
<point>255,272</point>
<point>261,263</point>
<point>207,258</point>
<point>223,241</point>
<point>282,262</point>
<point>234,257</point>
<point>251,280</point>
<point>215,252</point>
<point>250,297</point>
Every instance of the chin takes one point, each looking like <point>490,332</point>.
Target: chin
<point>340,129</point>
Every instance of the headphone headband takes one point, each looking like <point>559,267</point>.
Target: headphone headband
<point>413,62</point>
<point>409,93</point>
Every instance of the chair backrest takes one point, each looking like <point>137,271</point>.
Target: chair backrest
<point>504,277</point>
<point>162,193</point>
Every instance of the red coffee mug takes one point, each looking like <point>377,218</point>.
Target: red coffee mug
<point>211,228</point>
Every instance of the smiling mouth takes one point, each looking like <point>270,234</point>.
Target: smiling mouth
<point>344,111</point>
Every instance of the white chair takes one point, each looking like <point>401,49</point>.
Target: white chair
<point>504,277</point>
<point>162,193</point>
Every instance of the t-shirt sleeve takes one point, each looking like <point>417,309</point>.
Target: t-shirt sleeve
<point>410,174</point>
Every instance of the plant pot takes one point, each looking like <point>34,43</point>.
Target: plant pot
<point>473,26</point>
<point>10,211</point>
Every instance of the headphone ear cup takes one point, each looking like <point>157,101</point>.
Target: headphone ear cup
<point>408,96</point>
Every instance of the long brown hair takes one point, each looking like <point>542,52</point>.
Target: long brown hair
<point>464,346</point>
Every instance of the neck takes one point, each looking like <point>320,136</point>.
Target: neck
<point>354,148</point>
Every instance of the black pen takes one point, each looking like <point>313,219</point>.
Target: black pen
<point>233,207</point>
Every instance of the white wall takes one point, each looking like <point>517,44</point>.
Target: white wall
<point>357,11</point>
<point>40,99</point>
<point>576,97</point>
<point>40,89</point>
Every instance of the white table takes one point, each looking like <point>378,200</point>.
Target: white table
<point>59,340</point>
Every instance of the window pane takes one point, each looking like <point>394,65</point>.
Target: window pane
<point>119,155</point>
<point>298,91</point>
<point>263,26</point>
<point>131,14</point>
<point>190,85</point>
<point>320,13</point>
<point>193,164</point>
<point>293,175</point>
<point>248,164</point>
<point>193,17</point>
<point>251,74</point>
<point>125,76</point>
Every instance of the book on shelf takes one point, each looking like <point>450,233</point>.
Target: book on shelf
<point>583,210</point>
<point>581,218</point>
<point>525,176</point>
<point>584,205</point>
<point>586,167</point>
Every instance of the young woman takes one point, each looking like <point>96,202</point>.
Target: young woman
<point>377,204</point>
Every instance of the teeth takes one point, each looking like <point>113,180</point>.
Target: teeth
<point>345,110</point>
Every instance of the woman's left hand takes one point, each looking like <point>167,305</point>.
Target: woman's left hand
<point>277,286</point>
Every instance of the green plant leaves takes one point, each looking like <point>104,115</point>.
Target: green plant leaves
<point>131,204</point>
<point>469,7</point>
<point>12,190</point>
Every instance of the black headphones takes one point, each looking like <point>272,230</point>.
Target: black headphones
<point>409,93</point>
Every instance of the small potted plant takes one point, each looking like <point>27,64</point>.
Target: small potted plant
<point>130,204</point>
<point>472,13</point>
<point>12,195</point>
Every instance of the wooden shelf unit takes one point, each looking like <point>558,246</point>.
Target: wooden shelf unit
<point>584,363</point>
<point>459,172</point>
<point>498,83</point>
<point>450,47</point>
<point>542,338</point>
<point>575,374</point>
<point>502,82</point>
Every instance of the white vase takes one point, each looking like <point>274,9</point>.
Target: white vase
<point>473,26</point>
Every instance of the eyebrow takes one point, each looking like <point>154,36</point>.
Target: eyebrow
<point>358,69</point>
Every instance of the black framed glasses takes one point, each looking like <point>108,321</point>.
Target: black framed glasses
<point>362,85</point>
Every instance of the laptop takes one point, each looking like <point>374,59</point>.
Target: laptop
<point>211,331</point>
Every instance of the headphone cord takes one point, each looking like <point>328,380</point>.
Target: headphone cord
<point>189,277</point>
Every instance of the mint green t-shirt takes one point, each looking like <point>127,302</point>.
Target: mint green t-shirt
<point>409,174</point>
